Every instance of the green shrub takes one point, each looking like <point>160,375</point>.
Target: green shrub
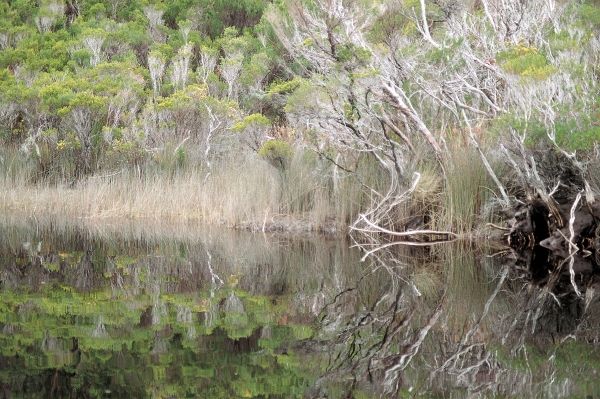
<point>277,152</point>
<point>525,61</point>
<point>590,13</point>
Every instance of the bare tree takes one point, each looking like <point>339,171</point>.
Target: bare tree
<point>94,45</point>
<point>208,62</point>
<point>181,66</point>
<point>82,121</point>
<point>156,66</point>
<point>231,66</point>
<point>155,20</point>
<point>48,14</point>
<point>382,97</point>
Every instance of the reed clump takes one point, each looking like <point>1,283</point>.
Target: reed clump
<point>244,192</point>
<point>465,192</point>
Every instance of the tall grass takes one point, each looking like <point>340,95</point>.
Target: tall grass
<point>243,192</point>
<point>465,191</point>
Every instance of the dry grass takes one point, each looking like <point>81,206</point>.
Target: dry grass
<point>245,193</point>
<point>249,193</point>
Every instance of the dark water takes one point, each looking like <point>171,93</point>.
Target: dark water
<point>135,312</point>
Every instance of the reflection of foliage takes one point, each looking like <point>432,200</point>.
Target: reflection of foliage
<point>53,331</point>
<point>132,333</point>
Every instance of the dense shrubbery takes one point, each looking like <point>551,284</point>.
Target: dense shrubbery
<point>99,86</point>
<point>93,85</point>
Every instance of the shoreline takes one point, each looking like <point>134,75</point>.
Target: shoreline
<point>282,224</point>
<point>285,225</point>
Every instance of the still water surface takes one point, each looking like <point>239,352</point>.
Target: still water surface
<point>165,312</point>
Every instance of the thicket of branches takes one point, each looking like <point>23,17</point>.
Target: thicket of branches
<point>388,78</point>
<point>405,85</point>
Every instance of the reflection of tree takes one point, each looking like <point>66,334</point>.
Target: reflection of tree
<point>377,340</point>
<point>128,315</point>
<point>81,355</point>
<point>85,273</point>
<point>446,320</point>
<point>486,329</point>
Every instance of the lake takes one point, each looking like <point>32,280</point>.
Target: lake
<point>133,311</point>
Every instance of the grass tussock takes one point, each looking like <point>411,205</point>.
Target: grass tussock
<point>465,192</point>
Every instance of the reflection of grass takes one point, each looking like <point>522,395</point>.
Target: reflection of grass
<point>427,281</point>
<point>466,283</point>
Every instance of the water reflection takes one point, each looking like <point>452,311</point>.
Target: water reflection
<point>87,313</point>
<point>123,311</point>
<point>460,322</point>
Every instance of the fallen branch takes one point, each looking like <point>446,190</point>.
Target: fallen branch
<point>409,233</point>
<point>497,227</point>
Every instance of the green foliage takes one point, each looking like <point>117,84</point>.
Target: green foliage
<point>571,134</point>
<point>390,22</point>
<point>180,156</point>
<point>525,61</point>
<point>12,89</point>
<point>122,151</point>
<point>37,52</point>
<point>445,55</point>
<point>190,97</point>
<point>349,53</point>
<point>399,20</point>
<point>562,41</point>
<point>277,152</point>
<point>85,99</point>
<point>284,87</point>
<point>69,143</point>
<point>251,121</point>
<point>239,13</point>
<point>303,96</point>
<point>256,69</point>
<point>46,70</point>
<point>589,12</point>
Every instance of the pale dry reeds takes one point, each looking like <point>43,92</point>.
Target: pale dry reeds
<point>243,193</point>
